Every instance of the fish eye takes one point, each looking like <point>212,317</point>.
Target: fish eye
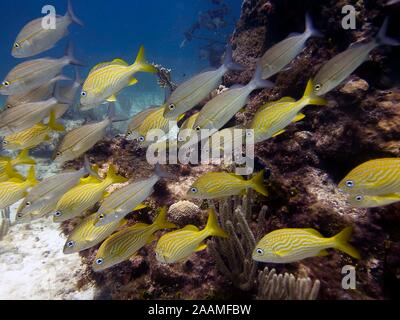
<point>99,261</point>
<point>350,183</point>
<point>171,107</point>
<point>6,83</point>
<point>318,87</point>
<point>28,203</point>
<point>58,153</point>
<point>260,251</point>
<point>193,190</point>
<point>359,198</point>
<point>197,128</point>
<point>19,215</point>
<point>70,244</point>
<point>58,214</point>
<point>5,142</point>
<point>83,93</point>
<point>16,45</point>
<point>101,216</point>
<point>129,133</point>
<point>141,139</point>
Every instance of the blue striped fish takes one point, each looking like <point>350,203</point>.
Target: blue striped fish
<point>126,243</point>
<point>291,245</point>
<point>177,246</point>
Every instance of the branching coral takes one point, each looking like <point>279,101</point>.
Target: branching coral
<point>273,286</point>
<point>164,76</point>
<point>233,255</point>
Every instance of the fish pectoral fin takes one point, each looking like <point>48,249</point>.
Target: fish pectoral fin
<point>133,81</point>
<point>113,98</point>
<point>278,253</point>
<point>47,138</point>
<point>201,247</point>
<point>299,117</point>
<point>278,133</point>
<point>322,253</point>
<point>106,194</point>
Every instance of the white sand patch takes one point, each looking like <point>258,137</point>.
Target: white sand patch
<point>33,266</point>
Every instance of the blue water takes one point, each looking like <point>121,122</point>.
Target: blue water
<point>117,29</point>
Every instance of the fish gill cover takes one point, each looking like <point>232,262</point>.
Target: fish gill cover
<point>125,150</point>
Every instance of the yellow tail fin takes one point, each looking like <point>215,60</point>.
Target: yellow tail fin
<point>257,183</point>
<point>11,173</point>
<point>212,227</point>
<point>112,177</point>
<point>161,220</point>
<point>141,64</point>
<point>311,98</point>
<point>23,158</point>
<point>31,177</point>
<point>53,124</point>
<point>341,243</point>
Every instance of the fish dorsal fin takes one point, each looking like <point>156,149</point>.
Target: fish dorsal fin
<point>120,61</point>
<point>190,227</point>
<point>201,247</point>
<point>236,176</point>
<point>89,179</point>
<point>286,99</point>
<point>100,65</point>
<point>314,232</point>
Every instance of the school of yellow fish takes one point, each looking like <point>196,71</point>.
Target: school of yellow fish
<point>36,102</point>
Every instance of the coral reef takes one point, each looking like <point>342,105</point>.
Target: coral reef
<point>361,122</point>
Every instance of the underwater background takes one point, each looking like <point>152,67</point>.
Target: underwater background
<point>303,166</point>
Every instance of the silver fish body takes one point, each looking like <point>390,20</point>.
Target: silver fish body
<point>34,39</point>
<point>123,201</point>
<point>78,141</point>
<point>282,53</point>
<point>193,91</point>
<point>217,112</point>
<point>137,120</point>
<point>25,116</point>
<point>341,66</point>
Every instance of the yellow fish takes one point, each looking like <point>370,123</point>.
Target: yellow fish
<point>15,189</point>
<point>22,158</point>
<point>365,201</point>
<point>137,121</point>
<point>153,121</point>
<point>214,185</point>
<point>291,245</point>
<point>179,245</point>
<point>107,79</point>
<point>374,177</point>
<point>85,195</point>
<point>126,243</point>
<point>9,173</point>
<point>34,136</point>
<point>272,119</point>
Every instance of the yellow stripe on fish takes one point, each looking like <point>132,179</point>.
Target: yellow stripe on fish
<point>374,177</point>
<point>15,189</point>
<point>291,245</point>
<point>272,119</point>
<point>87,235</point>
<point>107,79</point>
<point>84,196</point>
<point>177,246</point>
<point>126,243</point>
<point>34,136</point>
<point>214,185</point>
